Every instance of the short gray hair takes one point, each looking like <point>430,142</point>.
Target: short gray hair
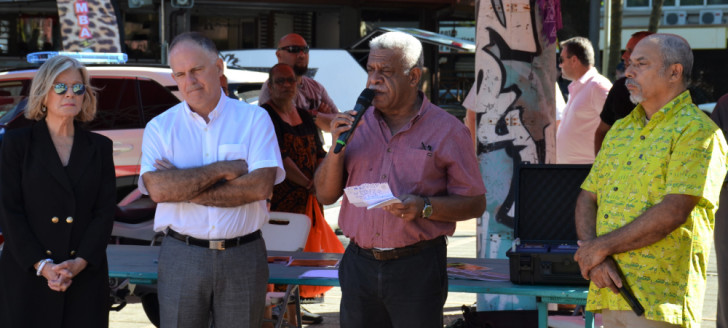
<point>674,50</point>
<point>408,46</point>
<point>196,38</point>
<point>43,82</point>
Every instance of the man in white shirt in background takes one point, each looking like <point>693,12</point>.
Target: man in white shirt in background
<point>587,93</point>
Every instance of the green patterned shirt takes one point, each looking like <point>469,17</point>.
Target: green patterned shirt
<point>679,151</point>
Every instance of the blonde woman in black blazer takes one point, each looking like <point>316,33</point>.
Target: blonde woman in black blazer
<point>57,195</point>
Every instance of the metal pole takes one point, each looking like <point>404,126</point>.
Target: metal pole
<point>594,28</point>
<point>607,35</point>
<point>162,34</point>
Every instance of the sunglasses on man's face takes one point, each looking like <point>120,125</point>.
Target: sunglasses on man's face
<point>61,88</point>
<point>295,49</point>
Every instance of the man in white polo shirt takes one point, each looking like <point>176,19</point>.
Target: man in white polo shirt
<point>211,163</point>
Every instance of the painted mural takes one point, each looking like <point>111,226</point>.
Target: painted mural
<point>88,26</point>
<point>515,70</point>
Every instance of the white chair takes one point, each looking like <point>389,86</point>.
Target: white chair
<point>286,232</point>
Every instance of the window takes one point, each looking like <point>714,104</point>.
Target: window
<point>155,99</point>
<point>646,4</point>
<point>20,35</point>
<point>637,3</point>
<point>13,102</point>
<point>141,36</point>
<point>117,104</point>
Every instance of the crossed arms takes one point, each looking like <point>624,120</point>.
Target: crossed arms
<point>220,184</point>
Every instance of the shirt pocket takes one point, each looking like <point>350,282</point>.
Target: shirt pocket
<point>413,165</point>
<point>231,152</point>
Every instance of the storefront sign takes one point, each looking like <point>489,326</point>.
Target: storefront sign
<point>88,26</point>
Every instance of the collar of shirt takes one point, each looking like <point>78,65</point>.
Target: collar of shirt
<point>421,112</point>
<point>669,110</point>
<point>574,86</point>
<point>216,112</point>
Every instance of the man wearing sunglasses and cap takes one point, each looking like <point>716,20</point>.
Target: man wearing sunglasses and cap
<point>311,95</point>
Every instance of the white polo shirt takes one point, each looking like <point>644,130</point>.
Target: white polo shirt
<point>236,130</point>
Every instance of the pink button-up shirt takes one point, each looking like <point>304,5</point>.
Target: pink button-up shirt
<point>431,156</point>
<point>575,137</point>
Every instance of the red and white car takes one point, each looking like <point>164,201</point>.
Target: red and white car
<point>128,97</point>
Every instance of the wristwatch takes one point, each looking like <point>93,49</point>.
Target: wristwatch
<point>427,210</point>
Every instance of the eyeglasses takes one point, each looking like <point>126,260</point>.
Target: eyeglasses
<point>295,49</point>
<point>61,88</point>
<point>283,80</point>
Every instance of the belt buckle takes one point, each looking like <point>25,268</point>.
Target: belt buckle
<point>217,245</point>
<point>376,253</point>
<point>381,255</point>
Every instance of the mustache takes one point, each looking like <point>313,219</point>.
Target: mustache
<point>376,88</point>
<point>631,82</point>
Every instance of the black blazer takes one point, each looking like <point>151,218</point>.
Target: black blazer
<point>51,211</point>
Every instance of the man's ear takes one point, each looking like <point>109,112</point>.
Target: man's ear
<point>675,72</point>
<point>220,66</point>
<point>415,75</point>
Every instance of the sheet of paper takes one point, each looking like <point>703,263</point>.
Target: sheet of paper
<point>370,195</point>
<point>326,274</point>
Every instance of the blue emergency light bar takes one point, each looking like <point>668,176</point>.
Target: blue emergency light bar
<point>83,57</point>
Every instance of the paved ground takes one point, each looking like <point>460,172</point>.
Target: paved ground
<point>462,244</point>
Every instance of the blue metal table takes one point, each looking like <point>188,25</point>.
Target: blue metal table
<point>139,265</point>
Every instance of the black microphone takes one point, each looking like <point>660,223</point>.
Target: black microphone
<point>362,103</point>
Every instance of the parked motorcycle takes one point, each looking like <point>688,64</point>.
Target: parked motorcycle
<point>134,225</point>
<point>134,220</point>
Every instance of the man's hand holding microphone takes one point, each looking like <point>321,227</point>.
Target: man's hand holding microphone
<point>342,127</point>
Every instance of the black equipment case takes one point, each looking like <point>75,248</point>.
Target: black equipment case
<point>544,229</point>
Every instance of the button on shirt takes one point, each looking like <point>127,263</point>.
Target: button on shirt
<point>430,156</point>
<point>679,151</point>
<point>575,136</point>
<point>236,130</point>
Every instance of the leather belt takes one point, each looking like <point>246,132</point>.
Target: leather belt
<point>398,253</point>
<point>219,244</point>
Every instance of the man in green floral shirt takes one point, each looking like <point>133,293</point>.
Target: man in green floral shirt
<point>648,204</point>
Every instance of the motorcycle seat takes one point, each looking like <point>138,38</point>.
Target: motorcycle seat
<point>138,211</point>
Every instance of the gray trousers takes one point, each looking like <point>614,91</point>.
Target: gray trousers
<point>200,286</point>
<point>720,236</point>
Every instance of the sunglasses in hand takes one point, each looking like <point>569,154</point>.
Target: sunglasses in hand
<point>295,49</point>
<point>77,89</point>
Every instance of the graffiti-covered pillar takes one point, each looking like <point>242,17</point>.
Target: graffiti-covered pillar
<point>515,71</point>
